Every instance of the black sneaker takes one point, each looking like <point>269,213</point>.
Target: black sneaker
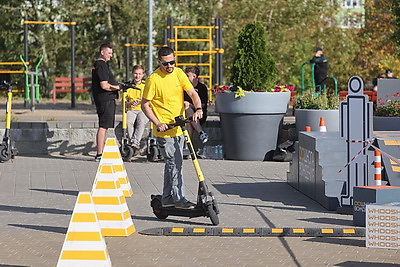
<point>203,137</point>
<point>167,203</point>
<point>97,158</point>
<point>186,205</point>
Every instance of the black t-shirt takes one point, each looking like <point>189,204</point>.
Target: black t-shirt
<point>101,72</point>
<point>202,90</point>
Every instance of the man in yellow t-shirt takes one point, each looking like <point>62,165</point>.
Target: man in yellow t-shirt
<point>162,102</point>
<point>136,120</point>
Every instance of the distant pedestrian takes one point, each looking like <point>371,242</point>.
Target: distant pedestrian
<point>320,69</point>
<point>375,81</point>
<point>389,74</point>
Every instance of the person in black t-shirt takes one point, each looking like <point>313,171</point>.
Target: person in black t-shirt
<point>105,92</point>
<point>193,73</point>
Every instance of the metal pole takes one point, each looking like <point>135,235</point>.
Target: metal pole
<point>72,64</point>
<point>26,60</point>
<point>126,59</point>
<point>150,56</point>
<point>170,33</point>
<point>219,46</point>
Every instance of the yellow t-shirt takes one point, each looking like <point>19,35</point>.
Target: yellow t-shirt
<point>165,91</point>
<point>134,94</point>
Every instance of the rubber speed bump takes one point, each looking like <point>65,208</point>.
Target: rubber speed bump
<point>112,155</point>
<point>110,204</point>
<point>84,244</point>
<point>249,231</point>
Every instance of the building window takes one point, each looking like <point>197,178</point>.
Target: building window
<point>352,3</point>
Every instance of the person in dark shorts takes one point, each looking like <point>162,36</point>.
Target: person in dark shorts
<point>105,92</point>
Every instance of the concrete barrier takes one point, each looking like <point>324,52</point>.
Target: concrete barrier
<point>77,137</point>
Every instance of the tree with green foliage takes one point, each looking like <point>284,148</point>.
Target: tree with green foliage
<point>294,28</point>
<point>253,67</point>
<point>377,45</point>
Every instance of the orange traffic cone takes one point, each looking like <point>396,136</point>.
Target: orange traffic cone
<point>308,129</point>
<point>322,125</point>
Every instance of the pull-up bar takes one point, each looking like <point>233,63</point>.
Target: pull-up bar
<point>72,23</point>
<point>49,22</point>
<point>13,63</point>
<point>142,45</point>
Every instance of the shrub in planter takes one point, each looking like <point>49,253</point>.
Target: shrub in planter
<point>252,112</point>
<point>310,107</point>
<point>253,68</point>
<point>316,101</point>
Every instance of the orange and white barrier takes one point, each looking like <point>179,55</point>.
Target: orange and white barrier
<point>110,204</point>
<point>84,244</point>
<point>378,167</point>
<point>111,154</point>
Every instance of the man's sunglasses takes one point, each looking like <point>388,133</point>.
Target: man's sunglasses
<point>172,62</point>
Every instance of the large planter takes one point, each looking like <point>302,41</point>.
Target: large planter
<point>251,124</point>
<point>310,117</point>
<point>386,123</point>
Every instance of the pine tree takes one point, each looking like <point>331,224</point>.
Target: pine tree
<point>253,68</point>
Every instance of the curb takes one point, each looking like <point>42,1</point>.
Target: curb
<point>242,231</point>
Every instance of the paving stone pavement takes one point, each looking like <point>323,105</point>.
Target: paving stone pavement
<point>38,194</point>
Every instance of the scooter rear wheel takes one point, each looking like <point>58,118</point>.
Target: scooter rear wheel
<point>212,214</point>
<point>157,206</point>
<point>5,154</point>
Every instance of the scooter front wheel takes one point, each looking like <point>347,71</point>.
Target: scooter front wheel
<point>153,154</point>
<point>212,214</point>
<point>127,153</point>
<point>5,154</point>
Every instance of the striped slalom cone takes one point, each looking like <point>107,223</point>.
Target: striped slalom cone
<point>110,205</point>
<point>322,125</point>
<point>112,155</point>
<point>84,244</point>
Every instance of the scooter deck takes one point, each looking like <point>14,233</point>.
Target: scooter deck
<point>198,211</point>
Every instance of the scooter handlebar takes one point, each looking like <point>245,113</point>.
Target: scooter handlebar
<point>4,85</point>
<point>127,85</point>
<point>180,121</point>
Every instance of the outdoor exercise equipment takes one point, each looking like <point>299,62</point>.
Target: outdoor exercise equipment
<point>172,38</point>
<point>32,95</point>
<point>72,23</point>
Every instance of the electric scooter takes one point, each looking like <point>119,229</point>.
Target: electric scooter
<point>7,147</point>
<point>126,148</point>
<point>206,203</point>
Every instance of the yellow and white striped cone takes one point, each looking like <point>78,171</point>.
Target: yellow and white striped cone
<point>112,155</point>
<point>84,244</point>
<point>110,205</point>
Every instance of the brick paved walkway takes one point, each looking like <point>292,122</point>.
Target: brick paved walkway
<point>37,196</point>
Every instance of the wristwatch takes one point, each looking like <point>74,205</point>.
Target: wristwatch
<point>199,109</point>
